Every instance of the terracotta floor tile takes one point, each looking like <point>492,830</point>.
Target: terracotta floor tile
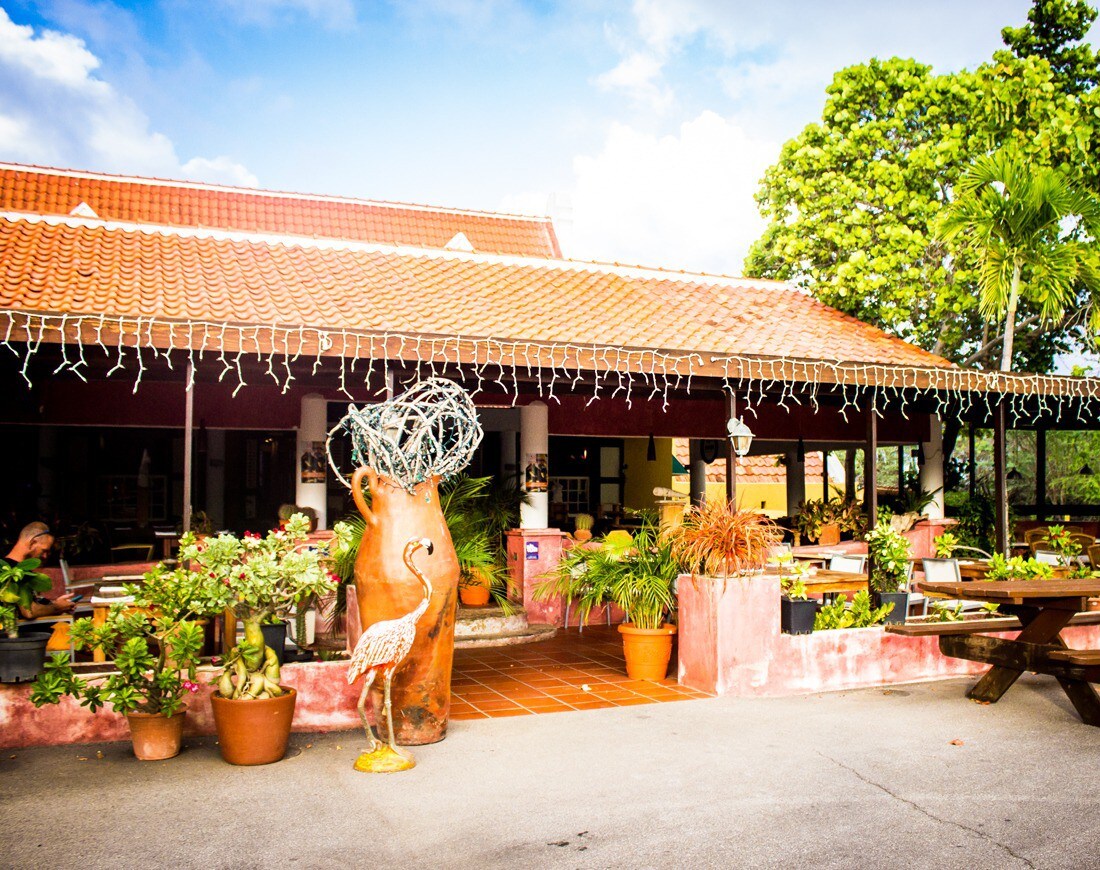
<point>472,714</point>
<point>493,706</point>
<point>539,705</point>
<point>594,704</point>
<point>630,702</point>
<point>501,714</point>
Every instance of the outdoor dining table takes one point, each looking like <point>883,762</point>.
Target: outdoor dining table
<point>824,581</point>
<point>1044,608</point>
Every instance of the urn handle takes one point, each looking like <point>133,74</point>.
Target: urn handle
<point>357,491</point>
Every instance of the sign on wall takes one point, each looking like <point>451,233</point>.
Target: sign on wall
<point>313,462</point>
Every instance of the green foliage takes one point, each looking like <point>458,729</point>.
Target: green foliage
<point>638,579</point>
<point>155,644</point>
<point>1017,568</point>
<point>945,545</point>
<point>853,200</point>
<point>889,552</point>
<point>1018,219</point>
<point>583,522</point>
<point>794,586</point>
<point>813,514</point>
<point>976,520</point>
<point>941,612</point>
<point>9,624</point>
<point>859,615</point>
<point>1054,32</point>
<point>20,581</point>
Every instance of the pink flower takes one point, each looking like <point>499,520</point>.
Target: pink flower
<point>190,687</point>
<point>214,660</point>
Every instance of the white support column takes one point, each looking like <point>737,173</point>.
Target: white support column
<point>534,447</point>
<point>312,466</point>
<point>796,481</point>
<point>931,473</point>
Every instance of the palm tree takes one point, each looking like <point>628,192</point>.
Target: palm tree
<point>1023,222</point>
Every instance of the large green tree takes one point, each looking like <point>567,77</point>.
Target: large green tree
<point>1021,220</point>
<point>1055,31</point>
<point>853,199</point>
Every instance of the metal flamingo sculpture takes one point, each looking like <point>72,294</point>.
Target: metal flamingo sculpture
<point>384,645</point>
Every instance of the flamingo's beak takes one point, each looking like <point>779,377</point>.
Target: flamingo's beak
<point>428,545</point>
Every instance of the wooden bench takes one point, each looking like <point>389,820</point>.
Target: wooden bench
<point>1084,657</point>
<point>977,626</point>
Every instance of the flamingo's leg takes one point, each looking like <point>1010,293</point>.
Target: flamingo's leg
<point>363,710</point>
<point>389,709</point>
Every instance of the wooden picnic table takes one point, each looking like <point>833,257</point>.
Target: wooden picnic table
<point>1044,608</point>
<point>825,581</point>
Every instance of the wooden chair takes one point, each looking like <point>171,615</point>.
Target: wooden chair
<point>132,553</point>
<point>1094,555</point>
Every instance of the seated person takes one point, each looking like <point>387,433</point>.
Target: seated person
<point>34,542</point>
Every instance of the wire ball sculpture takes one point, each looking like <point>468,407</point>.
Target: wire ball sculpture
<point>429,431</point>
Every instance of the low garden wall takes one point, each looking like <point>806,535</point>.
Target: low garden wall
<point>730,644</point>
<point>325,702</point>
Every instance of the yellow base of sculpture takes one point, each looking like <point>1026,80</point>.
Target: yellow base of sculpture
<point>383,759</point>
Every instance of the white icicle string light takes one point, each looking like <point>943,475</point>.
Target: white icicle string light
<point>1028,398</point>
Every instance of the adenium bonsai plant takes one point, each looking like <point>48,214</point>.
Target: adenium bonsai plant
<point>257,578</point>
<point>889,552</point>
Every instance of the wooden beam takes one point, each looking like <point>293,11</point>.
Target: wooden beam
<point>1000,479</point>
<point>870,466</point>
<point>731,459</point>
<point>188,433</point>
<point>1040,474</point>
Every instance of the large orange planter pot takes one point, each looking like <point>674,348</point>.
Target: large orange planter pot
<point>253,732</point>
<point>386,589</point>
<point>156,736</point>
<point>647,650</point>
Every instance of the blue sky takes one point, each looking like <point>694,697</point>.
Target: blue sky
<point>643,127</point>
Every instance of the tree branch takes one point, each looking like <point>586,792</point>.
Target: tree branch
<point>985,348</point>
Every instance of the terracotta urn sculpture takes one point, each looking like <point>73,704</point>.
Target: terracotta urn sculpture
<point>385,589</point>
<point>403,448</point>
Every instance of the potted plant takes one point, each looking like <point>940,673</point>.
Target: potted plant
<point>861,614</point>
<point>641,585</point>
<point>889,553</point>
<point>256,578</point>
<point>155,642</point>
<point>719,540</point>
<point>583,576</point>
<point>796,609</point>
<point>582,525</point>
<point>823,521</point>
<point>21,658</point>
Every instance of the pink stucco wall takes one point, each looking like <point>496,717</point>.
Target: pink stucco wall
<point>325,703</point>
<point>730,644</point>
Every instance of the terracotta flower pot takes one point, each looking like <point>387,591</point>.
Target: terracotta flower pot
<point>256,731</point>
<point>647,650</point>
<point>829,535</point>
<point>156,736</point>
<point>473,594</point>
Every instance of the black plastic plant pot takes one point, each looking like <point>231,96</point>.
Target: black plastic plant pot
<point>22,658</point>
<point>900,600</point>
<point>797,617</point>
<point>275,637</point>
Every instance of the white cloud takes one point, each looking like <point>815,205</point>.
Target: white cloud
<point>681,201</point>
<point>639,74</point>
<point>54,111</point>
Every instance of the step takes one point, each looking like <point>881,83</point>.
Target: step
<point>529,634</point>
<point>474,622</point>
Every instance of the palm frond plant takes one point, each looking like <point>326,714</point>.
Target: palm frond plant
<point>584,577</point>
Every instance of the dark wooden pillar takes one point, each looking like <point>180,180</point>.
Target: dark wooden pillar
<point>870,467</point>
<point>1000,480</point>
<point>731,457</point>
<point>973,470</point>
<point>850,474</point>
<point>1040,474</point>
<point>825,474</point>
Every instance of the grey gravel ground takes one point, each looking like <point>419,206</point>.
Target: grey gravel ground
<point>915,776</point>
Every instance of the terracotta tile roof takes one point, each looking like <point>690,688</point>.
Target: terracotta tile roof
<point>86,266</point>
<point>37,190</point>
<point>751,469</point>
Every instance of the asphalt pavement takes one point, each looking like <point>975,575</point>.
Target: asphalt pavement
<point>912,776</point>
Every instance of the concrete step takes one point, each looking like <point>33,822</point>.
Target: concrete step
<point>473,622</point>
<point>529,634</point>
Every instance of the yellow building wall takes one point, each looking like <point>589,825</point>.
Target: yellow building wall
<point>642,475</point>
